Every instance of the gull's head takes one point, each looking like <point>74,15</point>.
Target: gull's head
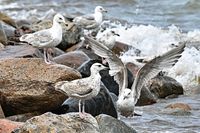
<point>96,67</point>
<point>100,9</point>
<point>125,103</point>
<point>113,33</point>
<point>59,18</point>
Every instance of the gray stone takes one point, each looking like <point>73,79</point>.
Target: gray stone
<point>52,123</point>
<point>108,124</point>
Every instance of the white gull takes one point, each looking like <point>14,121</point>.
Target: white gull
<point>46,38</point>
<point>90,21</point>
<point>84,88</point>
<point>128,97</point>
<point>108,38</point>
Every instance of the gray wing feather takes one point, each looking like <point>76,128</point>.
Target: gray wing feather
<point>152,68</point>
<point>117,68</point>
<point>38,39</point>
<point>75,87</point>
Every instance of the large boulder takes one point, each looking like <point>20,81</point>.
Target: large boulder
<point>101,104</point>
<point>163,86</point>
<point>108,124</point>
<point>27,85</point>
<point>72,59</point>
<point>19,51</point>
<point>52,123</point>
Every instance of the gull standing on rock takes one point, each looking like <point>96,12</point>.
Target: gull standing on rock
<point>128,97</point>
<point>108,38</point>
<point>46,38</point>
<point>84,88</point>
<point>90,21</point>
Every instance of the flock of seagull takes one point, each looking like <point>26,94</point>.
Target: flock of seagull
<point>89,87</point>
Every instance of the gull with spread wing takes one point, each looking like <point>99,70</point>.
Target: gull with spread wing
<point>46,38</point>
<point>128,97</point>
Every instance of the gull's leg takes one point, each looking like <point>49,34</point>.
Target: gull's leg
<point>79,108</point>
<point>45,56</point>
<point>48,58</point>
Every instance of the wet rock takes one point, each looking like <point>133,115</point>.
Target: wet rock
<point>67,123</point>
<point>132,68</point>
<point>72,59</point>
<point>102,103</point>
<point>71,33</point>
<point>23,117</point>
<point>20,51</point>
<point>108,124</point>
<point>181,106</point>
<point>27,85</point>
<point>122,47</point>
<point>7,126</point>
<point>163,86</point>
<point>146,97</point>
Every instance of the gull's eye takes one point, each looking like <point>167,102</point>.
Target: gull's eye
<point>113,32</point>
<point>60,18</point>
<point>99,65</point>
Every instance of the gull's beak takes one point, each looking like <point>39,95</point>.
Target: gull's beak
<point>116,34</point>
<point>105,11</point>
<point>105,68</point>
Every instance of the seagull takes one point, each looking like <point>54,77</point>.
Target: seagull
<point>108,39</point>
<point>46,38</point>
<point>90,21</point>
<point>84,88</point>
<point>128,97</point>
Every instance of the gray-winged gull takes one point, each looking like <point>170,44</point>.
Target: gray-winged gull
<point>90,21</point>
<point>128,97</point>
<point>84,88</point>
<point>46,38</point>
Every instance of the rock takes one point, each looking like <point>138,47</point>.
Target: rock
<point>181,106</point>
<point>52,123</point>
<point>20,51</point>
<point>72,59</point>
<point>8,20</point>
<point>146,98</point>
<point>102,103</point>
<point>7,126</point>
<point>1,113</point>
<point>23,117</point>
<point>122,47</point>
<point>27,85</point>
<point>132,68</point>
<point>163,86</point>
<point>71,33</point>
<point>108,124</point>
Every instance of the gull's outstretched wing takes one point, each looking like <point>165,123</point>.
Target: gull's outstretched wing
<point>117,68</point>
<point>152,68</point>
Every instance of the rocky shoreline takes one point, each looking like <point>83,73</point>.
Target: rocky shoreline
<point>27,85</point>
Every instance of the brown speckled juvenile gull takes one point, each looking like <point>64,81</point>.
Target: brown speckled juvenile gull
<point>46,38</point>
<point>128,97</point>
<point>84,88</point>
